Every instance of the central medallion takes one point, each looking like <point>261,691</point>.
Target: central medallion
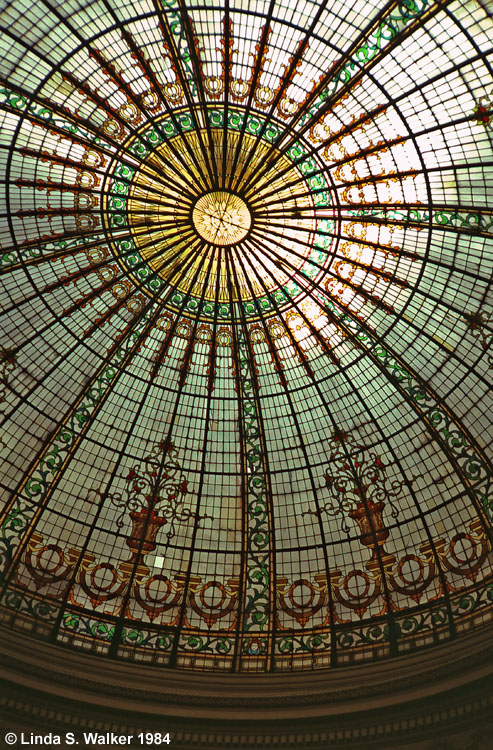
<point>221,218</point>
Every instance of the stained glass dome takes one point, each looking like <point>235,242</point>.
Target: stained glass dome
<point>246,328</point>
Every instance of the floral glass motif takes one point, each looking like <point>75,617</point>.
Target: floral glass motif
<point>155,497</point>
<point>356,478</point>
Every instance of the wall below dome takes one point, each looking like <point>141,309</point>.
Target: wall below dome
<point>441,702</point>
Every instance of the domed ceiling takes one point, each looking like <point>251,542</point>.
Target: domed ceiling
<point>246,361</point>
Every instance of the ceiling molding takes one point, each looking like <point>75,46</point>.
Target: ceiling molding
<point>135,687</point>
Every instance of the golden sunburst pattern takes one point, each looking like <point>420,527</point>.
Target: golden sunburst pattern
<point>180,220</point>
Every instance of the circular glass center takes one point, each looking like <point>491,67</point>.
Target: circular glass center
<point>221,218</point>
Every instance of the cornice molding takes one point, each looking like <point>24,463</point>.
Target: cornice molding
<point>57,671</point>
